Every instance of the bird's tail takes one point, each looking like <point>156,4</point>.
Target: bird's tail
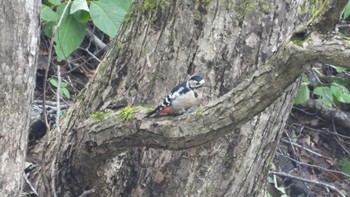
<point>155,111</point>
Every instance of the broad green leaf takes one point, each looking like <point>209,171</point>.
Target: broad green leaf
<point>270,180</point>
<point>305,79</point>
<point>82,16</point>
<point>340,69</point>
<point>303,94</point>
<point>345,98</point>
<point>341,93</point>
<point>70,34</point>
<point>325,101</point>
<point>63,84</point>
<point>47,15</point>
<point>55,2</point>
<point>346,12</point>
<point>48,28</point>
<point>53,82</point>
<point>79,5</point>
<point>282,189</point>
<point>325,94</point>
<point>107,15</point>
<point>124,5</point>
<point>66,93</point>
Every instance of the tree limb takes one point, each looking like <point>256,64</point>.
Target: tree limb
<point>226,113</point>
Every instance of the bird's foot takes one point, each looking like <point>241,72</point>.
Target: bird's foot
<point>185,114</point>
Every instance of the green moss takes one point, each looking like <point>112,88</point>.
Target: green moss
<point>79,97</point>
<point>314,7</point>
<point>148,109</point>
<point>149,5</point>
<point>143,51</point>
<point>300,36</point>
<point>198,114</point>
<point>298,41</point>
<point>118,46</point>
<point>206,2</point>
<point>100,115</point>
<point>171,40</point>
<point>243,7</point>
<point>127,113</point>
<point>103,79</point>
<point>267,7</point>
<point>102,68</point>
<point>128,16</point>
<point>154,77</point>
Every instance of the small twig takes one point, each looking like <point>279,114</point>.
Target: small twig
<point>55,93</point>
<point>97,41</point>
<point>307,149</point>
<point>53,164</point>
<point>54,30</point>
<point>322,130</point>
<point>337,138</point>
<point>58,131</point>
<point>308,181</point>
<point>86,193</point>
<point>43,174</point>
<point>81,64</point>
<point>30,185</point>
<point>315,166</point>
<point>290,141</point>
<point>92,55</point>
<point>51,104</point>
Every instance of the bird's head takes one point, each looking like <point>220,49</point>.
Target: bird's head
<point>196,81</point>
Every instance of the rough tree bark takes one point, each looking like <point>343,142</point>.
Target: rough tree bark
<point>244,50</point>
<point>19,36</point>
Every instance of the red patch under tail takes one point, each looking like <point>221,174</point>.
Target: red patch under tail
<point>167,110</point>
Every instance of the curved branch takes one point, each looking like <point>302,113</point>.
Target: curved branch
<point>218,117</point>
<point>223,115</point>
<point>107,137</point>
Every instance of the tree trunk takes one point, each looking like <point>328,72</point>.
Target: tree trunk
<point>225,147</point>
<point>19,35</point>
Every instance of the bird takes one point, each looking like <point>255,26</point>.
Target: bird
<point>184,96</point>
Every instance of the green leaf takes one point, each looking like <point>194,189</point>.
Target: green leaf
<point>326,102</point>
<point>70,34</point>
<point>270,180</point>
<point>305,79</point>
<point>79,5</point>
<point>48,28</point>
<point>82,16</point>
<point>303,94</point>
<point>63,84</point>
<point>53,82</point>
<point>107,15</point>
<point>346,12</point>
<point>66,93</point>
<point>340,92</point>
<point>325,94</point>
<point>345,165</point>
<point>55,2</point>
<point>47,14</point>
<point>340,69</point>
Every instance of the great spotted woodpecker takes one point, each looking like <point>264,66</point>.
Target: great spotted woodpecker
<point>181,98</point>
